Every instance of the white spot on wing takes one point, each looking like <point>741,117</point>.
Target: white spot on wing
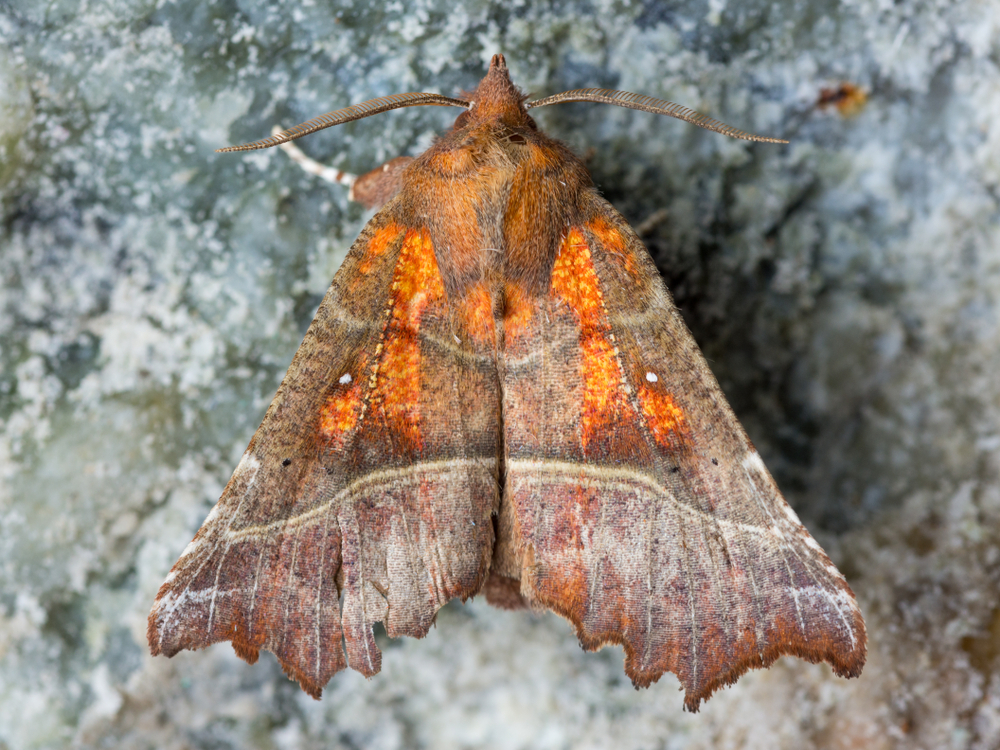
<point>651,377</point>
<point>345,378</point>
<point>192,546</point>
<point>810,542</point>
<point>249,462</point>
<point>792,515</point>
<point>755,466</point>
<point>753,462</point>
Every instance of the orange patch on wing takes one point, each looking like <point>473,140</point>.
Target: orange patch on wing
<point>613,242</point>
<point>602,399</point>
<point>340,414</point>
<point>575,281</point>
<point>476,314</point>
<point>519,312</point>
<point>395,381</point>
<point>666,420</point>
<point>378,245</point>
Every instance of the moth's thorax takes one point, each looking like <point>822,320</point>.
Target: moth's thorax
<point>495,193</point>
<point>481,148</point>
<point>492,196</point>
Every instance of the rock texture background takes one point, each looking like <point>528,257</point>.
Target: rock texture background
<point>845,289</point>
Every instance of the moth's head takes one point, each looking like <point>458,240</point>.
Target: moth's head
<point>496,99</point>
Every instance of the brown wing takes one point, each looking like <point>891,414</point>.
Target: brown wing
<point>367,492</point>
<point>634,503</point>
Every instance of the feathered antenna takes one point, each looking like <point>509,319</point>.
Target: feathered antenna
<point>649,104</point>
<point>348,114</point>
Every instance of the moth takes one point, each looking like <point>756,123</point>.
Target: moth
<point>497,396</point>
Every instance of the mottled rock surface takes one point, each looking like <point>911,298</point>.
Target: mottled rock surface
<point>845,289</point>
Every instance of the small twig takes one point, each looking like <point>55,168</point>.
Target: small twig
<point>652,221</point>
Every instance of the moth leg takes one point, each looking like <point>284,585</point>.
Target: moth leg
<point>372,190</point>
<point>652,221</point>
<point>314,167</point>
